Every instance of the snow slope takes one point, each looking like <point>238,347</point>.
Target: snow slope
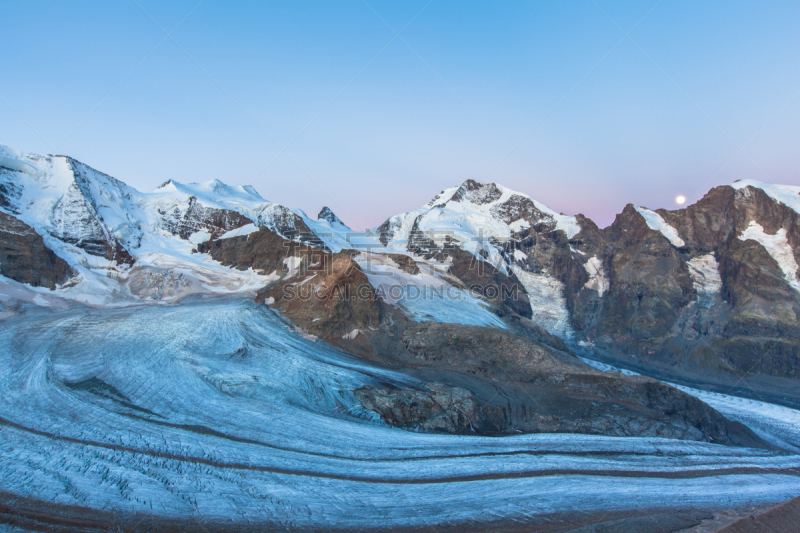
<point>426,296</point>
<point>473,216</point>
<point>706,278</point>
<point>655,222</point>
<point>70,204</point>
<point>778,247</point>
<point>788,195</point>
<point>548,305</point>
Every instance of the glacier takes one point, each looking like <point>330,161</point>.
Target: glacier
<point>162,389</point>
<point>217,408</point>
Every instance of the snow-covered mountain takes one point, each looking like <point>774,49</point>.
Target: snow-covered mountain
<point>487,220</point>
<point>696,291</point>
<point>698,275</point>
<point>102,227</point>
<point>472,216</point>
<point>75,203</point>
<point>281,403</point>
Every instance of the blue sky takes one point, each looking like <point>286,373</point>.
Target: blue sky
<point>322,103</point>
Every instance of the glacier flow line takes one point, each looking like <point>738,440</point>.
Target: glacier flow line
<point>688,472</point>
<point>129,75</point>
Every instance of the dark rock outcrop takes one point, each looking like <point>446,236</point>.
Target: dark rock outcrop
<point>264,251</point>
<point>327,214</point>
<point>649,283</point>
<point>516,385</point>
<point>406,263</point>
<point>328,296</point>
<point>438,408</point>
<point>477,193</point>
<point>483,279</point>
<point>24,256</point>
<point>196,217</point>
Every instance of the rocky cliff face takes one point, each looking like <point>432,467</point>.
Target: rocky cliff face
<point>24,257</point>
<point>503,290</point>
<point>193,218</point>
<point>479,379</point>
<point>329,297</point>
<point>324,293</point>
<point>707,294</point>
<point>520,385</point>
<point>707,289</point>
<point>437,408</point>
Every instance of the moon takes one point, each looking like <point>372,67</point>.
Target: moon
<point>680,200</point>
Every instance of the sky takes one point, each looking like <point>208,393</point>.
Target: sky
<point>373,107</point>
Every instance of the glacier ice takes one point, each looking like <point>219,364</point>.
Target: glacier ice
<point>217,407</point>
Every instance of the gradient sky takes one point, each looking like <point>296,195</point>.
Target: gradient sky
<point>322,103</point>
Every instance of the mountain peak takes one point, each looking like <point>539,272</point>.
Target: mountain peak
<point>477,193</point>
<point>327,214</point>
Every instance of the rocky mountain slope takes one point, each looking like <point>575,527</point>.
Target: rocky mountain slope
<point>200,351</point>
<point>705,294</point>
<point>697,290</point>
<point>500,374</point>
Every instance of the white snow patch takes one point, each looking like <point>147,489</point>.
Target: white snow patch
<point>9,161</point>
<point>41,302</point>
<point>549,307</point>
<point>655,222</point>
<point>352,335</point>
<point>519,255</point>
<point>199,236</point>
<point>778,247</point>
<point>519,225</point>
<point>597,277</point>
<point>604,366</point>
<point>247,229</point>
<point>292,264</point>
<point>706,280</point>
<point>568,224</point>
